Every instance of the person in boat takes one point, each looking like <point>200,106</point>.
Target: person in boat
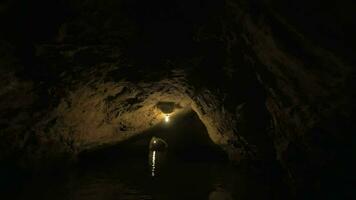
<point>157,144</point>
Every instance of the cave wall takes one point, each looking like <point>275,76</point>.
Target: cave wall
<point>302,58</point>
<point>96,70</point>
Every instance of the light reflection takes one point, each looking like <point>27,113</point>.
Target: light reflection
<point>156,155</point>
<point>153,163</point>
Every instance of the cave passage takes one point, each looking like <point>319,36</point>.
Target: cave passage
<point>254,98</point>
<point>185,134</point>
<point>191,167</point>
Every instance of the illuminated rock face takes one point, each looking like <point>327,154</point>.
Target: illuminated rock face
<point>267,82</point>
<point>111,112</point>
<point>99,112</point>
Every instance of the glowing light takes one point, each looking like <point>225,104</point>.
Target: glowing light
<point>166,118</point>
<point>153,163</point>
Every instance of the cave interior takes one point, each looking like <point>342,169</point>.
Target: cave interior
<point>244,99</point>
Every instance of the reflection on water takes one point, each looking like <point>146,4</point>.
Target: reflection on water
<point>131,178</point>
<point>156,161</point>
<point>153,165</point>
<point>192,168</point>
<point>160,177</point>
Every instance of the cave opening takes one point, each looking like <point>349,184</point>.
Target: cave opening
<point>186,137</point>
<point>191,163</point>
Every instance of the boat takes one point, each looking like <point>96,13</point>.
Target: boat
<point>158,144</point>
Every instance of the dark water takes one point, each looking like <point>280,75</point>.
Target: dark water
<point>192,168</point>
<point>131,178</point>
